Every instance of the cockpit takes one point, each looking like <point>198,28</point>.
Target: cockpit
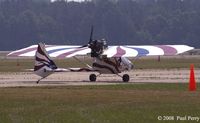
<point>126,63</point>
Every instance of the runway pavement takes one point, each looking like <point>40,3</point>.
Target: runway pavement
<point>23,79</point>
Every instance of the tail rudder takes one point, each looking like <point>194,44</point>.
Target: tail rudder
<point>44,66</point>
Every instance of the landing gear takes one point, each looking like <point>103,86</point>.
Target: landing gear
<point>93,77</point>
<point>40,80</point>
<point>125,78</point>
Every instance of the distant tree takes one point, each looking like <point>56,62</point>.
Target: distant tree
<point>26,22</point>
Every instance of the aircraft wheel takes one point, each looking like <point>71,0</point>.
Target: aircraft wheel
<point>93,77</point>
<point>125,78</point>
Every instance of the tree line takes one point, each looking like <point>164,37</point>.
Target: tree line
<point>136,22</point>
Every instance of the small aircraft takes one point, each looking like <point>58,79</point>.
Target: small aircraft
<point>106,59</point>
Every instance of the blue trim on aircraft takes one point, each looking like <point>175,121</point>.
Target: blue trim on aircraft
<point>56,50</point>
<point>141,51</point>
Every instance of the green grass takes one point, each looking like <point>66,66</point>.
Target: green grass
<point>166,63</point>
<point>125,103</point>
<point>14,65</point>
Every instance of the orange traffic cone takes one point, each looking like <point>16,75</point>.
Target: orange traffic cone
<point>192,82</point>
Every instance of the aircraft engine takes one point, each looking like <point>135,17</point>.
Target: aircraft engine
<point>97,47</point>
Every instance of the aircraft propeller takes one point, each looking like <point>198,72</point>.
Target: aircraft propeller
<point>96,46</point>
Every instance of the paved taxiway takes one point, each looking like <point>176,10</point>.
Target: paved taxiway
<point>14,79</point>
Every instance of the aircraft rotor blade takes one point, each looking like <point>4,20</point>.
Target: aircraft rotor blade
<point>91,35</point>
<point>90,40</point>
<point>86,45</point>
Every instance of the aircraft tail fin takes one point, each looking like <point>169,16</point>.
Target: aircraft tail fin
<point>44,66</point>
